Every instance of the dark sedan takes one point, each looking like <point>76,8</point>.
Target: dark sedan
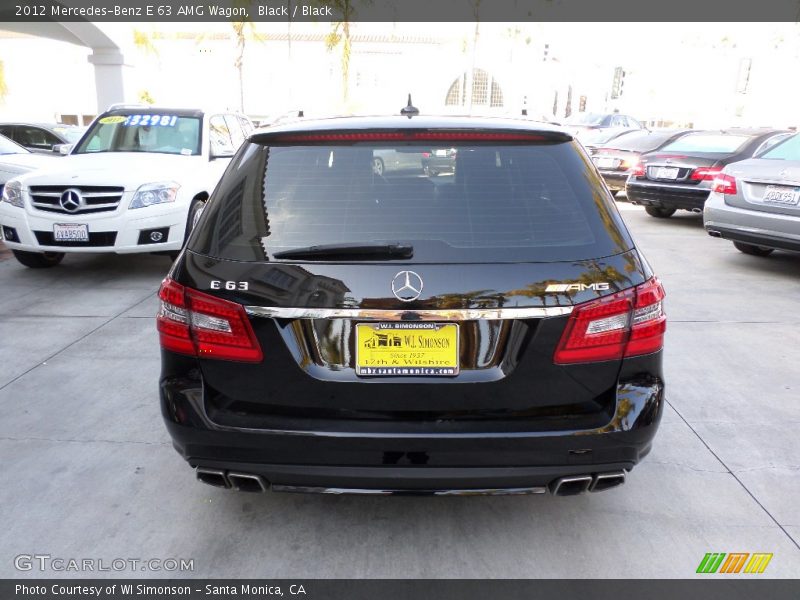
<point>42,137</point>
<point>680,175</point>
<point>618,158</point>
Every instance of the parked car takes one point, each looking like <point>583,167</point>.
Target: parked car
<point>617,158</point>
<point>331,330</point>
<point>439,160</point>
<point>136,182</point>
<point>680,174</point>
<point>585,125</point>
<point>16,160</point>
<point>755,203</point>
<point>391,160</point>
<point>42,137</point>
<point>597,138</point>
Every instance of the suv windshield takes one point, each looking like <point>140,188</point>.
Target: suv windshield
<point>455,203</point>
<point>162,133</point>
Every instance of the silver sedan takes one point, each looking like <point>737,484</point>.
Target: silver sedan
<point>755,203</point>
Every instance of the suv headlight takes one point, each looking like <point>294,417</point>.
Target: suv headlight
<point>155,193</point>
<point>12,193</point>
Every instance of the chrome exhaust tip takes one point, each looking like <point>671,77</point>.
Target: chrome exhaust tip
<point>571,486</point>
<point>605,481</point>
<point>715,234</point>
<point>213,477</point>
<point>697,210</point>
<point>246,482</point>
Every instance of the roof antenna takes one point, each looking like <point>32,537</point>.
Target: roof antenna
<point>409,110</point>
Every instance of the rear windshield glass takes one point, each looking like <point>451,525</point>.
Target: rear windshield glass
<point>602,136</point>
<point>453,203</point>
<point>788,149</point>
<point>640,141</point>
<point>585,119</point>
<point>9,147</point>
<point>707,142</point>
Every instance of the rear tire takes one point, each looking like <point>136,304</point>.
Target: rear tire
<point>658,212</point>
<point>38,260</point>
<point>753,250</point>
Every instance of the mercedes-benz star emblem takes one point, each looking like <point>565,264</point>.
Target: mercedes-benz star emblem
<point>407,286</point>
<point>71,200</point>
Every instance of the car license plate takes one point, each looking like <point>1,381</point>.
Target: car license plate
<point>606,162</point>
<point>782,194</point>
<point>403,349</point>
<point>71,232</point>
<point>440,153</point>
<point>667,173</point>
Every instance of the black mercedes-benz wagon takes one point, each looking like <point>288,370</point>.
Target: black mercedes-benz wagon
<point>333,327</point>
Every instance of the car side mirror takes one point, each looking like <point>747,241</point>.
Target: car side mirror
<point>62,149</point>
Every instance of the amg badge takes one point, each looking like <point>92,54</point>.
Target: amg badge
<point>559,288</point>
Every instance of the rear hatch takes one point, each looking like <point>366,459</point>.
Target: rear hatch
<point>377,297</point>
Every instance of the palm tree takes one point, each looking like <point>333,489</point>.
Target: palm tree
<point>241,40</point>
<point>3,84</point>
<point>340,34</point>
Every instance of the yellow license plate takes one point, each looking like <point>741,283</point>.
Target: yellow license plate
<point>406,349</point>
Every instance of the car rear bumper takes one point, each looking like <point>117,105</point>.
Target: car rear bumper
<point>754,227</point>
<point>666,196</point>
<point>364,458</point>
<point>120,233</point>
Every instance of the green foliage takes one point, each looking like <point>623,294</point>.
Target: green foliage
<point>3,84</point>
<point>146,98</point>
<point>143,42</point>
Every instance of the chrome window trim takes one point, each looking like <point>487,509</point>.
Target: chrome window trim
<point>375,314</point>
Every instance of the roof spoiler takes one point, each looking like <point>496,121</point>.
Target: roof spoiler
<point>410,135</point>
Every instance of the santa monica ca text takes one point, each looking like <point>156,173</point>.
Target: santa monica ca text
<point>141,589</point>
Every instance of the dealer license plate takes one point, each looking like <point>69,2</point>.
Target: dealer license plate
<point>71,232</point>
<point>782,194</point>
<point>402,349</point>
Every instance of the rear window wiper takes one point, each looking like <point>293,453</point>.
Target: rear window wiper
<point>353,251</point>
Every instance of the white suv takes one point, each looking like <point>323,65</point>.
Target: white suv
<point>136,181</point>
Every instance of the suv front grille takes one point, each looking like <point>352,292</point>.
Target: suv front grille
<point>96,198</point>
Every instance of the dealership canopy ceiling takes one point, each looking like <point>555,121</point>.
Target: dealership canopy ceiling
<point>106,55</point>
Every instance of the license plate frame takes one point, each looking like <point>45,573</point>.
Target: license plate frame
<point>403,353</point>
<point>70,232</point>
<point>670,173</point>
<point>783,190</point>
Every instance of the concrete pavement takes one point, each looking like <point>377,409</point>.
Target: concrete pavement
<point>88,470</point>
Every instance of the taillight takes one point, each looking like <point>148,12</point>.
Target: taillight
<point>628,323</point>
<point>201,325</point>
<point>705,173</point>
<point>724,184</point>
<point>638,169</point>
<point>632,164</point>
